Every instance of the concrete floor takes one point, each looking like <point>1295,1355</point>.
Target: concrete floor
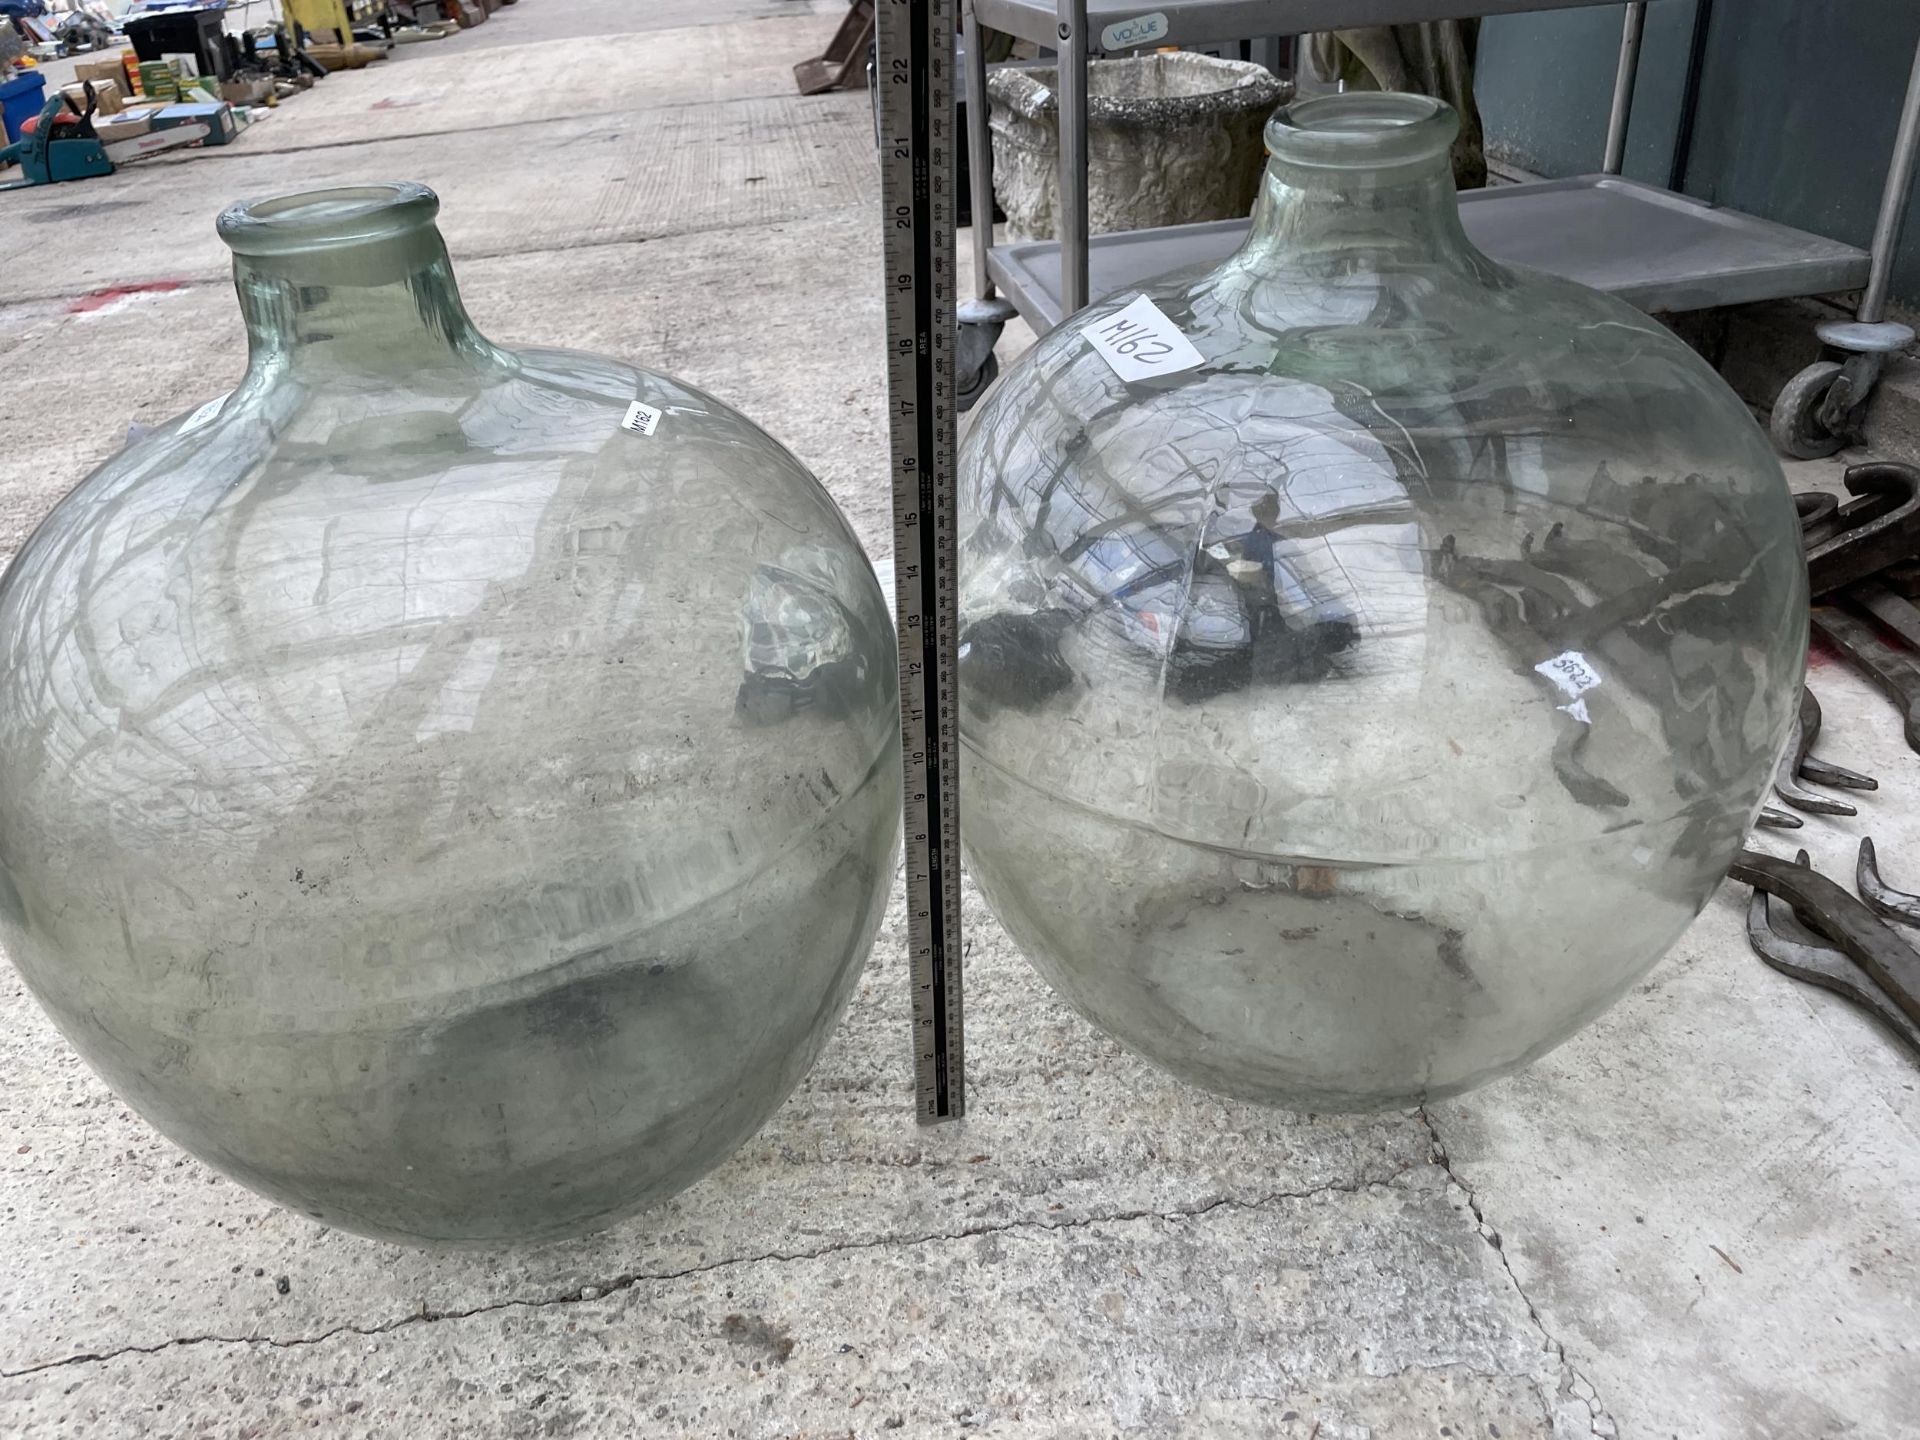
<point>1697,1219</point>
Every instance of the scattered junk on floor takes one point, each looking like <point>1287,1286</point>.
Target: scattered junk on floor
<point>179,74</point>
<point>1863,574</point>
<point>70,147</point>
<point>1863,569</point>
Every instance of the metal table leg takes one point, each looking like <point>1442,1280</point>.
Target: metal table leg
<point>981,319</point>
<point>1825,405</point>
<point>979,148</point>
<point>1623,81</point>
<point>1893,202</point>
<point>1072,89</point>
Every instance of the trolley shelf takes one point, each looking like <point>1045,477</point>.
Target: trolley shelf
<point>1201,22</point>
<point>1651,247</point>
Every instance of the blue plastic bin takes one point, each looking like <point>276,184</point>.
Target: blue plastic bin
<point>21,98</point>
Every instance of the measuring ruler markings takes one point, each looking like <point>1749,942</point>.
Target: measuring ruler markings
<point>915,106</point>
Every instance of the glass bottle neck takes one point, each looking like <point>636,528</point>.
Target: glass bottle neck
<point>1330,222</point>
<point>347,283</point>
<point>1359,186</point>
<point>339,317</point>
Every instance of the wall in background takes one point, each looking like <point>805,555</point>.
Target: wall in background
<point>1798,104</point>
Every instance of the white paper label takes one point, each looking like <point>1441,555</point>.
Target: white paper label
<point>1573,677</point>
<point>204,415</point>
<point>1140,30</point>
<point>1570,673</point>
<point>1139,342</point>
<point>641,419</point>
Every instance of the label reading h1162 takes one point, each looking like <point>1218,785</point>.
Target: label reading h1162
<point>1139,342</point>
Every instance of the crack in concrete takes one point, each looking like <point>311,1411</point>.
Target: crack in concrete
<point>1600,1422</point>
<point>628,1280</point>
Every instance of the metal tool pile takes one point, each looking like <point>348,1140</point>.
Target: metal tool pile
<point>1863,565</point>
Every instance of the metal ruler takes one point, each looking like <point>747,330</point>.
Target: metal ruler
<point>914,80</point>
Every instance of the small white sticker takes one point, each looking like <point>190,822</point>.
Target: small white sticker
<point>1573,678</point>
<point>204,415</point>
<point>1140,30</point>
<point>1578,710</point>
<point>1139,342</point>
<point>641,419</point>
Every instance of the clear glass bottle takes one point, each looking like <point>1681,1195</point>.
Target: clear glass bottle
<point>450,789</point>
<point>1350,717</point>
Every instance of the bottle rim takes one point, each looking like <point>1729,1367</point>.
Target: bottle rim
<point>306,221</point>
<point>1361,129</point>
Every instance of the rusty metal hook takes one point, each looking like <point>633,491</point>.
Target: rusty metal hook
<point>1816,509</point>
<point>1843,920</point>
<point>1822,965</point>
<point>1880,897</point>
<point>1867,534</point>
<point>1796,764</point>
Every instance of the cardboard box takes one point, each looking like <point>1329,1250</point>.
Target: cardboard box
<point>99,70</point>
<point>130,66</point>
<point>165,79</point>
<point>128,126</point>
<point>158,80</point>
<point>106,97</point>
<point>217,117</point>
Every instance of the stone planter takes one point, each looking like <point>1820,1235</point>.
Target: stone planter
<point>1172,139</point>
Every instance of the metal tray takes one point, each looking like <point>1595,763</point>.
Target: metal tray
<point>1651,247</point>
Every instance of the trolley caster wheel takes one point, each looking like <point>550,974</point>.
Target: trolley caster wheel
<point>972,387</point>
<point>1796,427</point>
<point>974,364</point>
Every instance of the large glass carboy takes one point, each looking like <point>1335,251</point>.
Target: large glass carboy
<point>450,789</point>
<point>1351,714</point>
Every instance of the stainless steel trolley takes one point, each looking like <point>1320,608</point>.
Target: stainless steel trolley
<point>1659,250</point>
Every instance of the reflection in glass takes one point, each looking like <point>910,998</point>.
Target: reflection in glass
<point>386,806</point>
<point>1350,718</point>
